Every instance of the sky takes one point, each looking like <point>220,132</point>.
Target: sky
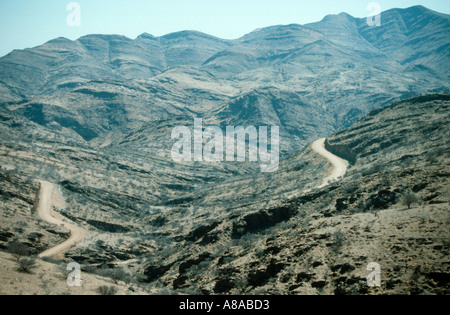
<point>29,23</point>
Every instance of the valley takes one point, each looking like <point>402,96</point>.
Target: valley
<point>87,172</point>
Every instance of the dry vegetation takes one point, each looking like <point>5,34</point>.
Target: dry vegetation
<point>188,233</point>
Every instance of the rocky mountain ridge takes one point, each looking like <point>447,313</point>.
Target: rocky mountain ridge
<point>102,88</point>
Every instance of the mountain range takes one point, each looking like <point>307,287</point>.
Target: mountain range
<point>93,118</point>
<point>308,79</point>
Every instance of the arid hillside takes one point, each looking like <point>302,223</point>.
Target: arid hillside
<point>260,234</point>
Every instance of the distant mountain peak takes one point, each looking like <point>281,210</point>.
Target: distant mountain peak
<point>106,37</point>
<point>417,8</point>
<point>283,30</point>
<point>188,33</point>
<point>146,36</point>
<point>60,39</point>
<point>343,16</point>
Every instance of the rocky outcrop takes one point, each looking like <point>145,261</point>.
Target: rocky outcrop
<point>108,227</point>
<point>382,200</point>
<point>262,220</point>
<point>343,151</point>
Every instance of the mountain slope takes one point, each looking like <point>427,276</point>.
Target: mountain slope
<point>104,87</point>
<point>321,242</point>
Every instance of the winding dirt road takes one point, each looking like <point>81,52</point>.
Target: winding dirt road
<point>48,192</point>
<point>340,165</point>
<point>46,213</point>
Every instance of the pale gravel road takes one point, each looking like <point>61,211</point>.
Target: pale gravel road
<point>46,213</point>
<point>339,165</point>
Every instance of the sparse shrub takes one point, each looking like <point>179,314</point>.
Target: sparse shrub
<point>351,188</point>
<point>52,260</point>
<point>26,265</point>
<point>19,230</point>
<point>432,160</point>
<point>165,292</point>
<point>386,181</point>
<point>18,250</point>
<point>431,157</point>
<point>105,290</point>
<point>90,269</point>
<point>62,271</point>
<point>139,277</point>
<point>118,275</point>
<point>372,170</point>
<point>100,243</point>
<point>360,206</point>
<point>409,199</point>
<point>407,163</point>
<point>439,152</point>
<point>339,240</point>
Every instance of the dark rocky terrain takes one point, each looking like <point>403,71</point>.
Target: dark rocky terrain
<point>248,236</point>
<point>95,116</point>
<point>321,242</point>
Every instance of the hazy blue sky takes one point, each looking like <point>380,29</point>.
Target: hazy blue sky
<point>28,23</point>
